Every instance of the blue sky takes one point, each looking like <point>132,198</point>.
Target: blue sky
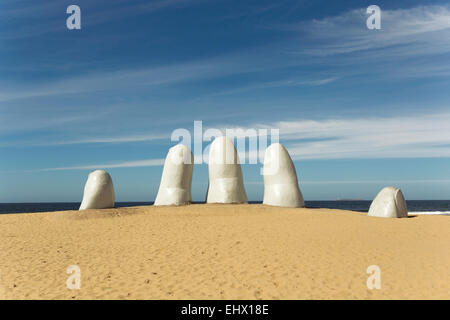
<point>357,109</point>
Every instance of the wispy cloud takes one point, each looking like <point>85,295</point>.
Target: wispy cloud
<point>319,82</point>
<point>415,32</point>
<point>127,164</point>
<point>419,30</point>
<point>418,136</point>
<point>47,16</point>
<point>116,139</point>
<point>410,28</point>
<point>108,81</point>
<point>142,78</point>
<point>415,136</point>
<point>278,84</point>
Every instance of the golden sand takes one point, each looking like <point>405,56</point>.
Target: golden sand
<point>223,252</point>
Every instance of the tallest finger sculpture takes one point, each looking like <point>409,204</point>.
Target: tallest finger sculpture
<point>280,179</point>
<point>225,175</point>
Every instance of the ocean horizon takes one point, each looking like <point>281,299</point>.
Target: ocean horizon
<point>415,207</point>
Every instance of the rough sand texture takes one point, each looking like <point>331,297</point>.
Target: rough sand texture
<point>222,252</point>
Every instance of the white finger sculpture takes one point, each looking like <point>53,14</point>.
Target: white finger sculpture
<point>175,186</point>
<point>226,184</point>
<point>389,203</point>
<point>98,191</point>
<point>280,179</point>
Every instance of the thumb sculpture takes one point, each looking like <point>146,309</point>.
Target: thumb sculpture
<point>225,175</point>
<point>98,191</point>
<point>389,203</point>
<point>175,186</point>
<point>280,179</point>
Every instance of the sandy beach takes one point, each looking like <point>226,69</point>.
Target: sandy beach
<point>223,252</point>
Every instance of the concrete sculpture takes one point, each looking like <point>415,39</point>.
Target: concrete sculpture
<point>226,184</point>
<point>98,191</point>
<point>280,179</point>
<point>389,203</point>
<point>175,186</point>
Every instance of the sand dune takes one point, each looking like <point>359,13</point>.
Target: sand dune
<point>222,252</point>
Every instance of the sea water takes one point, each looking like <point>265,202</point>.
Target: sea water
<point>415,207</point>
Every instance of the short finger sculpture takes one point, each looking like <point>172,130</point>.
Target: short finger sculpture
<point>175,186</point>
<point>98,191</point>
<point>226,184</point>
<point>280,179</point>
<point>389,203</point>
